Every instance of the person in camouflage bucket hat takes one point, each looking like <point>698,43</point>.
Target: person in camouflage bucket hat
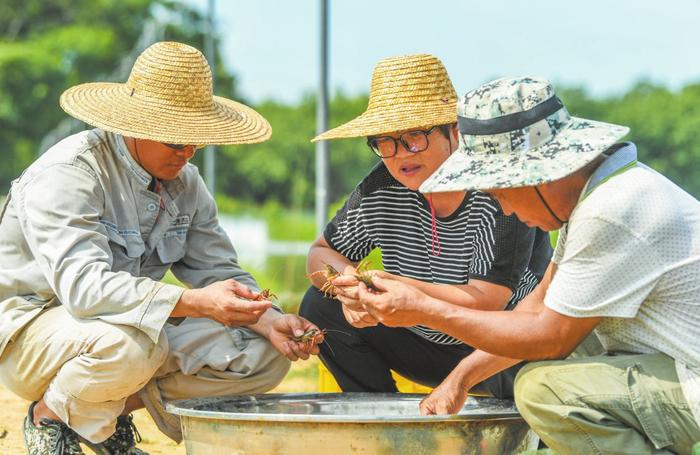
<point>624,272</point>
<point>516,132</point>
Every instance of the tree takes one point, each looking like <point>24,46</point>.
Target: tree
<point>283,167</point>
<point>664,125</point>
<point>47,46</point>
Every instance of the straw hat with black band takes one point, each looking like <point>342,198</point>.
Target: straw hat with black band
<point>167,98</point>
<point>516,132</point>
<point>407,92</point>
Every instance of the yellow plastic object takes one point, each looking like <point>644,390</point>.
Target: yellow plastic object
<point>326,382</point>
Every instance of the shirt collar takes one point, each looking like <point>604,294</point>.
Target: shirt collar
<point>130,163</point>
<point>617,161</point>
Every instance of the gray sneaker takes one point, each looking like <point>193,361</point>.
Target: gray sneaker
<point>122,442</point>
<point>51,437</point>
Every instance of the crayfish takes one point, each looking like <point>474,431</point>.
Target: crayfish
<point>311,336</point>
<point>329,273</point>
<point>266,294</point>
<point>363,274</point>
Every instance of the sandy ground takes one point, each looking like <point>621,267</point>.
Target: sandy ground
<point>301,378</point>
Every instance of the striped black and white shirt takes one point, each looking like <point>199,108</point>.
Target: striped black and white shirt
<point>477,241</point>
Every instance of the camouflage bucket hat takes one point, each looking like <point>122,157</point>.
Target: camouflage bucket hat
<point>516,132</point>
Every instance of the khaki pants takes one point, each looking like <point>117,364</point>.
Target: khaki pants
<point>627,404</point>
<point>85,369</point>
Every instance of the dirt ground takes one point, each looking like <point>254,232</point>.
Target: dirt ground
<point>302,377</point>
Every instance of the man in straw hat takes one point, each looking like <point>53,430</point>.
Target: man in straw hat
<point>88,332</point>
<point>457,246</point>
<point>626,266</point>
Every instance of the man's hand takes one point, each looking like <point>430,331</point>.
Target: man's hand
<point>224,301</point>
<point>359,319</point>
<point>286,329</point>
<point>395,304</point>
<point>447,398</point>
<point>345,286</point>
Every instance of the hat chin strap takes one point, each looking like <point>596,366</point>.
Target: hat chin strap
<point>549,209</point>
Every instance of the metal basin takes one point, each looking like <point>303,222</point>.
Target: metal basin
<point>352,423</point>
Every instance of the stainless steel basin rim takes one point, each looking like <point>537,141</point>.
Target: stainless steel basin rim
<point>336,407</point>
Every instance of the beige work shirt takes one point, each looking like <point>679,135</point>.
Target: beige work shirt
<point>81,228</point>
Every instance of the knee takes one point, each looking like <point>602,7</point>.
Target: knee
<point>533,392</point>
<point>275,371</point>
<point>265,366</point>
<point>130,353</point>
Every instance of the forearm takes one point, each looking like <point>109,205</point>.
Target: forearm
<point>189,305</point>
<point>479,366</point>
<point>264,324</point>
<point>517,334</point>
<point>462,295</point>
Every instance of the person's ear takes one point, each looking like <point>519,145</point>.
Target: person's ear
<point>454,133</point>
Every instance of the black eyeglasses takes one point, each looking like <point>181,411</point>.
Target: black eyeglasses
<point>415,141</point>
<point>175,146</point>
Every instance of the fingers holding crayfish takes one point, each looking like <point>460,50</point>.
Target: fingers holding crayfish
<point>305,343</point>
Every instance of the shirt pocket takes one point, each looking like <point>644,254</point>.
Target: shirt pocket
<point>127,250</point>
<point>647,405</point>
<point>173,246</point>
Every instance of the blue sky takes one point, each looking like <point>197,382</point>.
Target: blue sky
<point>603,45</point>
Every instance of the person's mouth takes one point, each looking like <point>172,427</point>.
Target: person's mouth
<point>409,170</point>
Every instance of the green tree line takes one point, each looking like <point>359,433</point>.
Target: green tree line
<point>664,124</point>
<point>48,45</point>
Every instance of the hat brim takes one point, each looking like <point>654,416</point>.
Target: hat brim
<point>571,149</point>
<point>376,122</point>
<point>114,107</point>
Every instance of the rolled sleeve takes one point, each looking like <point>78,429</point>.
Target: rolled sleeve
<point>71,247</point>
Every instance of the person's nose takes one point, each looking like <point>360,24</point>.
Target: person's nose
<point>402,151</point>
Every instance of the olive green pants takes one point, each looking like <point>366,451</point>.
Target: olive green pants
<point>626,404</point>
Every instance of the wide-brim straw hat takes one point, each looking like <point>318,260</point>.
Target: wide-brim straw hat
<point>407,92</point>
<point>167,98</point>
<point>516,132</point>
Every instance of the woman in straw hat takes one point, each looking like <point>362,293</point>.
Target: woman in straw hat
<point>458,246</point>
<point>88,331</point>
<point>625,268</point>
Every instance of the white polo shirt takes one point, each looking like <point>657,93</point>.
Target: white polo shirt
<point>631,254</point>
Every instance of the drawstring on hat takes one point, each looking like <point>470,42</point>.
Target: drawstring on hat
<point>551,212</point>
<point>434,237</point>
